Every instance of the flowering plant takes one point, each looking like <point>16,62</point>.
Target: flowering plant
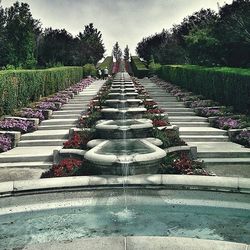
<point>155,111</point>
<point>150,104</point>
<point>160,123</point>
<point>227,123</point>
<point>47,105</point>
<point>13,124</point>
<point>6,142</point>
<point>79,140</point>
<point>243,138</point>
<point>32,113</point>
<point>66,167</point>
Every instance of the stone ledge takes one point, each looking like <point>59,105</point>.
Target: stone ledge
<point>205,183</point>
<point>140,242</point>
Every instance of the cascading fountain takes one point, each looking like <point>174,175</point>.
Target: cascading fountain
<point>126,137</point>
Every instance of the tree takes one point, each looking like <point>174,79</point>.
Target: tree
<point>3,51</point>
<point>126,53</point>
<point>117,53</point>
<point>21,31</point>
<point>91,48</point>
<point>56,48</point>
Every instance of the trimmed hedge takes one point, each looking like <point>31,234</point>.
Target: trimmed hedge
<point>89,70</point>
<point>108,62</point>
<point>229,86</point>
<point>139,68</point>
<point>20,87</point>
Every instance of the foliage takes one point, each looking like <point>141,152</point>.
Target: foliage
<point>126,54</point>
<point>117,52</point>
<point>107,63</point>
<point>66,167</point>
<point>89,70</point>
<point>18,35</point>
<point>18,88</point>
<point>212,82</point>
<point>11,124</point>
<point>243,138</point>
<point>204,38</point>
<point>139,68</point>
<point>6,142</point>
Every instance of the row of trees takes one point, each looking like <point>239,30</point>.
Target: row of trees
<point>204,38</point>
<point>23,43</point>
<point>117,53</point>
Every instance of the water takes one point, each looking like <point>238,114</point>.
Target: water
<point>18,230</point>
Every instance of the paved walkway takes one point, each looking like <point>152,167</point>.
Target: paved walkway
<point>34,153</point>
<point>213,146</point>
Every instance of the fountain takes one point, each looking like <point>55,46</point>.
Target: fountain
<point>128,151</point>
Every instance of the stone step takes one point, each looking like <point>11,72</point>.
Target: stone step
<point>78,109</point>
<point>223,154</point>
<point>65,112</point>
<point>35,143</point>
<point>185,113</point>
<point>171,104</point>
<point>227,161</point>
<point>204,138</point>
<point>36,164</point>
<point>201,131</point>
<point>177,110</point>
<point>56,127</point>
<point>187,119</point>
<point>29,154</point>
<point>74,105</point>
<point>190,124</point>
<point>65,116</point>
<point>43,134</point>
<point>59,121</point>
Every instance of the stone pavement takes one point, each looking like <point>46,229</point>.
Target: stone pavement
<point>213,146</point>
<point>34,153</point>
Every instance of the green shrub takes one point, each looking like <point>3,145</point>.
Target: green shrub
<point>89,70</point>
<point>139,68</point>
<point>20,87</point>
<point>229,86</point>
<point>108,62</point>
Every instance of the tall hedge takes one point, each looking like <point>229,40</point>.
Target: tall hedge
<point>20,87</point>
<point>139,68</point>
<point>229,86</point>
<point>108,62</point>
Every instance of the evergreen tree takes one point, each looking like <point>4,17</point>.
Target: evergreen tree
<point>117,53</point>
<point>126,53</point>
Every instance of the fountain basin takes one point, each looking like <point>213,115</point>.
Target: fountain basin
<point>123,96</point>
<point>125,157</point>
<point>131,128</point>
<point>116,103</point>
<point>121,114</point>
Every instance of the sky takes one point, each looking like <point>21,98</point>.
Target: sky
<point>124,21</point>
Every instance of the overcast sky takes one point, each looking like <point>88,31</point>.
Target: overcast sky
<point>125,21</point>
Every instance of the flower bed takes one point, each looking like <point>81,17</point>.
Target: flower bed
<point>180,163</point>
<point>32,113</point>
<point>47,105</point>
<point>23,126</point>
<point>6,142</point>
<point>243,138</point>
<point>66,167</point>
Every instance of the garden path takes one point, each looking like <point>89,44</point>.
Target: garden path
<point>34,153</point>
<point>213,146</point>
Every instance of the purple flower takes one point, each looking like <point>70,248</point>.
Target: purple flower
<point>5,142</point>
<point>47,105</point>
<point>32,113</point>
<point>227,123</point>
<point>11,124</point>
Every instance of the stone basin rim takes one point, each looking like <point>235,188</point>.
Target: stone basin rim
<point>160,181</point>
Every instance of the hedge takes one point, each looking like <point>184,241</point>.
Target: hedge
<point>139,68</point>
<point>108,62</point>
<point>20,87</point>
<point>229,86</point>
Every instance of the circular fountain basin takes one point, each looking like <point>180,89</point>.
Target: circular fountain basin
<point>122,96</point>
<point>116,103</point>
<point>28,221</point>
<point>121,114</point>
<point>130,128</point>
<point>129,156</point>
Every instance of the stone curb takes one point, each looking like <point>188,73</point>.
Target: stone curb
<point>140,242</point>
<point>205,183</point>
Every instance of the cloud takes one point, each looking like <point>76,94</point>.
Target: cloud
<point>125,21</point>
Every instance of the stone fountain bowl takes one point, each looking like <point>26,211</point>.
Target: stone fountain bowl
<point>130,128</point>
<point>121,114</point>
<point>130,157</point>
<point>116,103</point>
<point>122,96</point>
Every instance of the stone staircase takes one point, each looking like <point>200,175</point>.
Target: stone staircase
<point>34,152</point>
<point>212,144</point>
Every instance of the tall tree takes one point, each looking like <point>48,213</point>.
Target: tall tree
<point>117,52</point>
<point>91,47</point>
<point>3,51</point>
<point>21,32</point>
<point>126,53</point>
